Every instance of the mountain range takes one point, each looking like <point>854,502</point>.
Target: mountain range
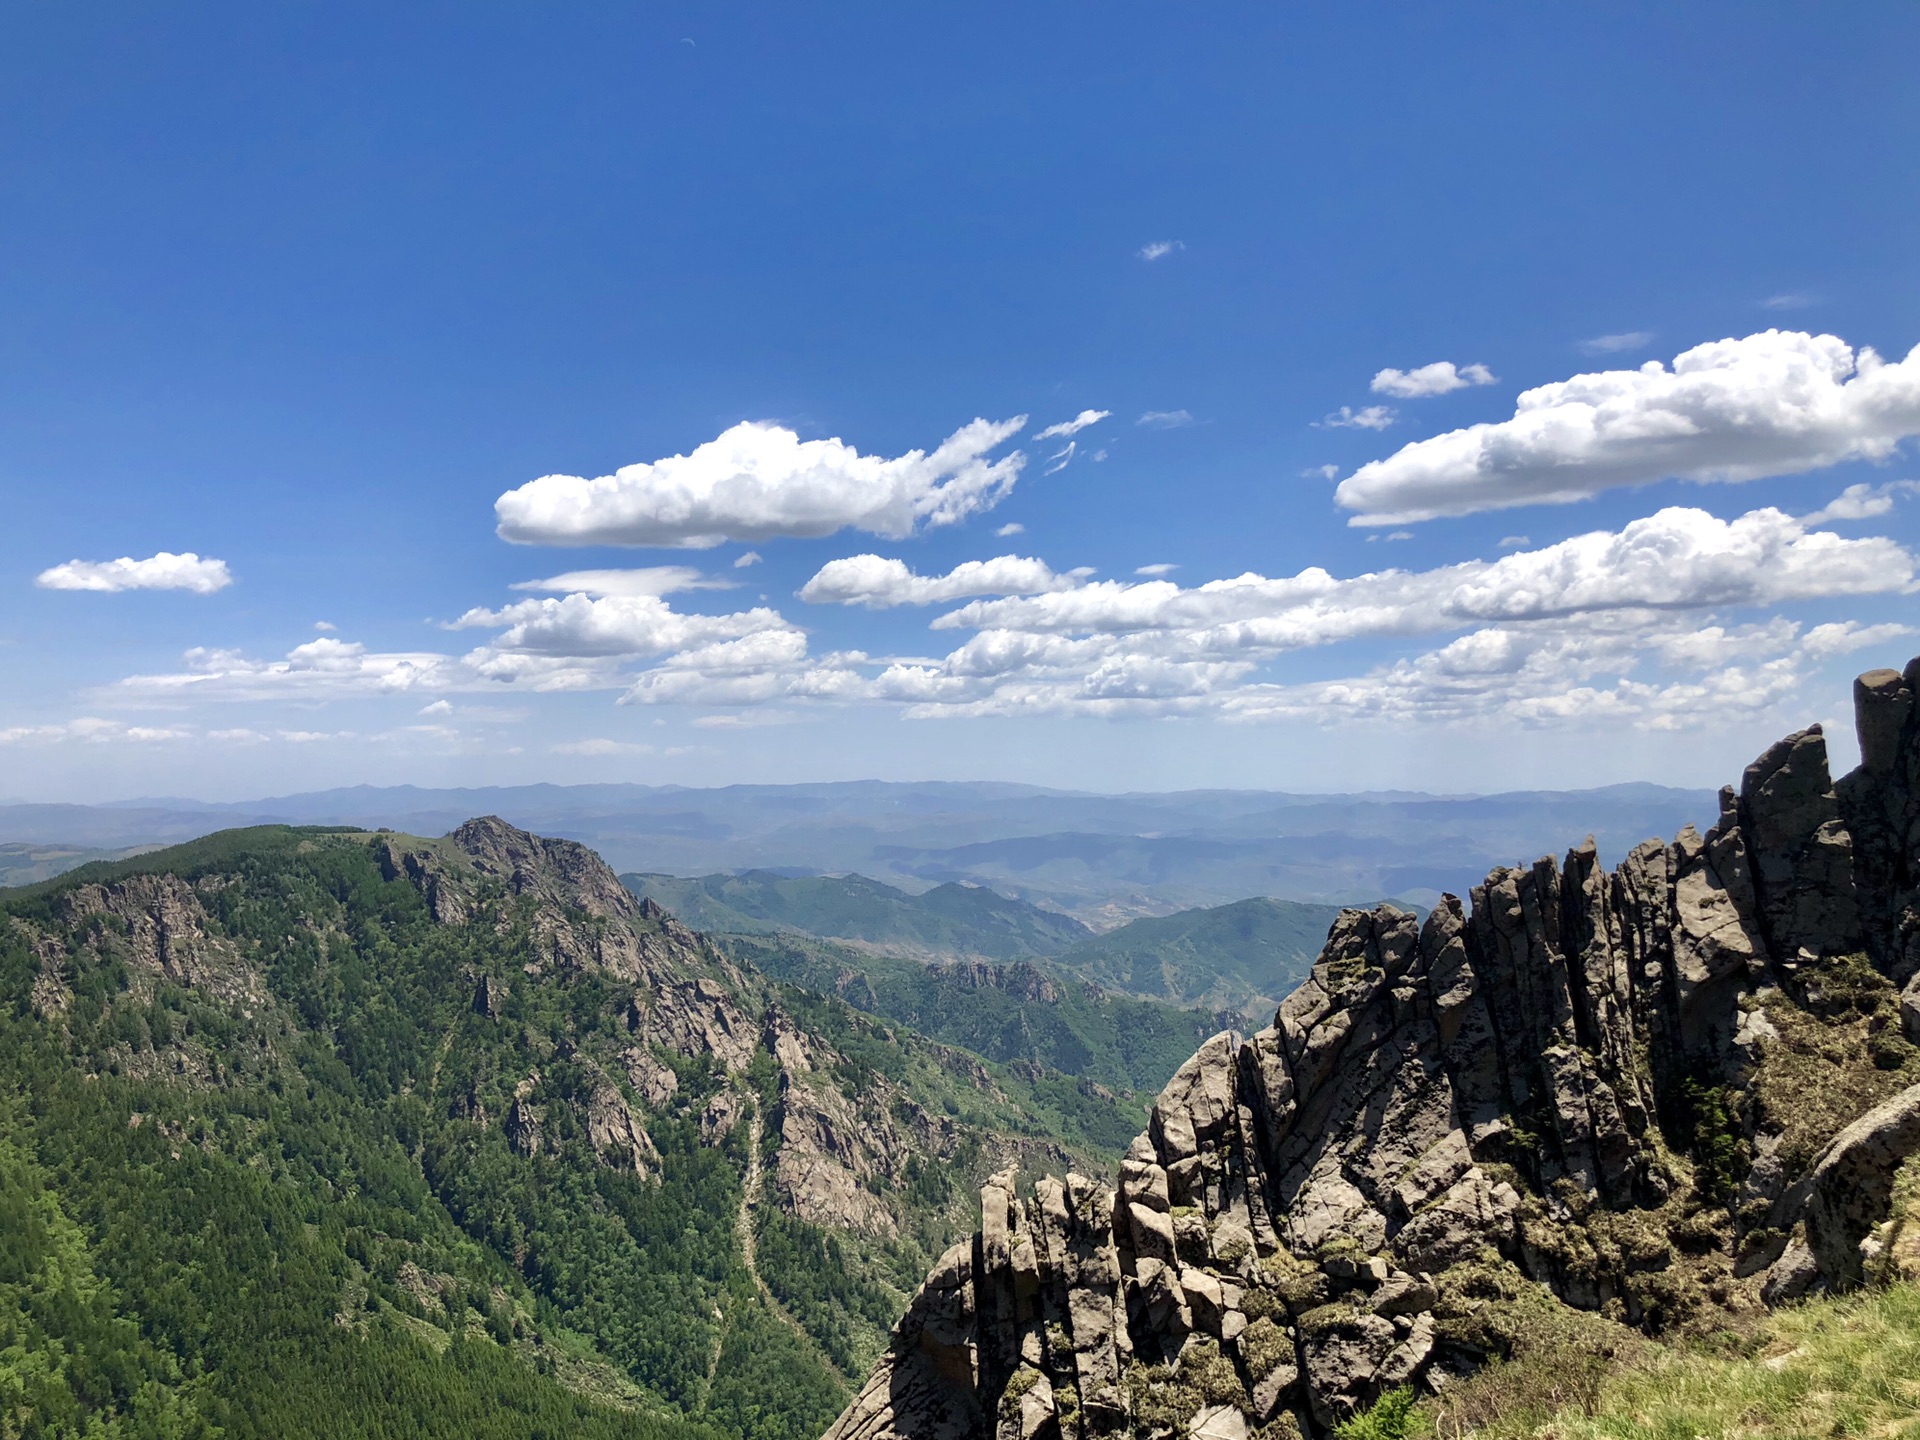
<point>1102,858</point>
<point>1237,957</point>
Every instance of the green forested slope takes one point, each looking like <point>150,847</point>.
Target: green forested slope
<point>1245,956</point>
<point>1009,1013</point>
<point>260,1173</point>
<point>946,921</point>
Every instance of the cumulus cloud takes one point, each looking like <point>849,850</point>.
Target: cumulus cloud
<point>879,583</point>
<point>1770,404</point>
<point>1156,570</point>
<point>1861,502</point>
<point>1159,249</point>
<point>91,730</point>
<point>164,571</point>
<point>752,557</point>
<point>646,580</point>
<point>1439,378</point>
<point>1165,419</point>
<point>1010,529</point>
<point>1617,344</point>
<point>320,669</point>
<point>1547,675</point>
<point>1073,426</point>
<point>757,481</point>
<point>1370,417</point>
<point>1679,558</point>
<point>581,625</point>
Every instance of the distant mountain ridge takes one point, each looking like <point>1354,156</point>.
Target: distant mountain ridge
<point>1100,857</point>
<point>948,920</point>
<point>1241,957</point>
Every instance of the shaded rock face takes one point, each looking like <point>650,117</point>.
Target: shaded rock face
<point>1536,1085</point>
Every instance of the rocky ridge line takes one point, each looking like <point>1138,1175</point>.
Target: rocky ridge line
<point>1579,1089</point>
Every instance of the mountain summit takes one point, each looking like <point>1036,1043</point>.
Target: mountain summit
<point>1590,1103</point>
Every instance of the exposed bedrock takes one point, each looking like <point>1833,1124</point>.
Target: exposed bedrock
<point>1557,1085</point>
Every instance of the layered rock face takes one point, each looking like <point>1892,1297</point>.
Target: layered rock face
<point>1563,1085</point>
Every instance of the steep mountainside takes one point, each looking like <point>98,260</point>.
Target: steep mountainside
<point>330,1134</point>
<point>1240,957</point>
<point>1595,1102</point>
<point>945,922</point>
<point>1019,1014</point>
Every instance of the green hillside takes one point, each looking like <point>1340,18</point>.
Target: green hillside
<point>946,921</point>
<point>1245,956</point>
<point>346,1135</point>
<point>1010,1013</point>
<point>1828,1367</point>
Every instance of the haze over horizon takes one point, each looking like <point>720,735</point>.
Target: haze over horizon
<point>1459,402</point>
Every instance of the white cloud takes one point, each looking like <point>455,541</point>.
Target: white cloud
<point>1617,344</point>
<point>1513,542</point>
<point>1165,419</point>
<point>165,571</point>
<point>1073,426</point>
<point>602,747</point>
<point>1550,674</point>
<point>1607,628</point>
<point>1792,300</point>
<point>1156,570</point>
<point>1861,502</point>
<point>752,557</point>
<point>1439,378</point>
<point>1048,647</point>
<point>91,730</point>
<point>1370,417</point>
<point>1061,459</point>
<point>1159,249</point>
<point>1770,404</point>
<point>645,580</point>
<point>757,481</point>
<point>1571,620</point>
<point>1010,529</point>
<point>325,627</point>
<point>1321,472</point>
<point>878,583</point>
<point>580,626</point>
<point>320,669</point>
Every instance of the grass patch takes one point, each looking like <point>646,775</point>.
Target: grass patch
<point>1848,1367</point>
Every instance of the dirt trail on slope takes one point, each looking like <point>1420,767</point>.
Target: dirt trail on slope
<point>749,1195</point>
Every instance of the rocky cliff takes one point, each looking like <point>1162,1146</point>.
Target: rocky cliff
<point>1657,1096</point>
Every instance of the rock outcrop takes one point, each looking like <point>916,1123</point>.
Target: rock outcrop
<point>838,1158</point>
<point>1561,1085</point>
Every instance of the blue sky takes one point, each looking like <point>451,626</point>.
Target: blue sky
<point>306,291</point>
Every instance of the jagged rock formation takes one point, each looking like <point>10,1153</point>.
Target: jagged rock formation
<point>1589,1082</point>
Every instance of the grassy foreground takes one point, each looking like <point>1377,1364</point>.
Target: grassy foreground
<point>1829,1368</point>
